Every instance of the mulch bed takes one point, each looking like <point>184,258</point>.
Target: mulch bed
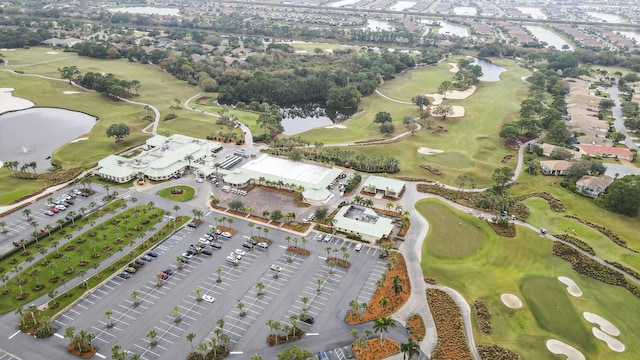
<point>373,350</point>
<point>418,329</point>
<point>452,341</point>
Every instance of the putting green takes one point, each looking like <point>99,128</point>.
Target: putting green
<point>451,235</point>
<point>186,193</point>
<point>454,160</point>
<point>554,311</point>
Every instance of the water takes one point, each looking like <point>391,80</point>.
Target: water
<point>490,71</point>
<point>551,38</point>
<point>401,5</point>
<point>630,35</point>
<point>33,134</point>
<point>343,3</point>
<point>300,117</point>
<point>534,13</point>
<point>610,18</point>
<point>450,29</point>
<point>377,25</point>
<point>147,10</point>
<point>465,10</point>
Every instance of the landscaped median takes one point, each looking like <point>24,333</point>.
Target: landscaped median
<point>61,303</point>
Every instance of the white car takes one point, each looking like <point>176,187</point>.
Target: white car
<point>49,205</point>
<point>61,207</point>
<point>232,259</point>
<point>235,256</point>
<point>199,180</point>
<point>187,255</point>
<point>241,252</point>
<point>263,245</point>
<point>359,247</point>
<point>226,234</point>
<point>275,267</point>
<point>208,298</point>
<point>203,241</point>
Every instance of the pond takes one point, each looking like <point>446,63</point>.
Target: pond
<point>450,29</point>
<point>377,25</point>
<point>490,71</point>
<point>549,37</point>
<point>300,117</point>
<point>630,35</point>
<point>534,13</point>
<point>147,10</point>
<point>32,135</point>
<point>465,10</point>
<point>604,17</point>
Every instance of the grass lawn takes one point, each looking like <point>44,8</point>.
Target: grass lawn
<point>504,265</point>
<point>449,239</point>
<point>424,80</point>
<point>555,311</point>
<point>187,193</point>
<point>625,227</point>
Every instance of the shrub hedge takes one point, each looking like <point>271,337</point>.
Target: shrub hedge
<point>484,316</point>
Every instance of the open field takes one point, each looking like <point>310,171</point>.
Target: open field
<point>503,265</point>
<point>424,80</point>
<point>625,227</point>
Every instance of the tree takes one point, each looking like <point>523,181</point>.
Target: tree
<point>108,314</point>
<point>382,326</point>
<point>443,110</point>
<point>190,337</point>
<point>152,334</point>
<point>382,117</point>
<point>176,314</point>
<point>410,349</point>
<point>622,196</point>
<point>387,128</point>
<point>294,353</point>
<point>444,87</point>
<point>119,131</point>
<point>502,176</point>
<point>134,296</point>
<point>558,133</point>
<point>509,131</point>
<point>561,154</point>
<point>420,101</point>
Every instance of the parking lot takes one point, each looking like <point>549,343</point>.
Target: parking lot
<point>281,298</point>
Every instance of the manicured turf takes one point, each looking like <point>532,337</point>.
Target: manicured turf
<point>187,193</point>
<point>501,265</point>
<point>453,236</point>
<point>549,302</point>
<point>624,226</point>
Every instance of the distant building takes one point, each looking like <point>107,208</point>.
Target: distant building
<point>65,43</point>
<point>605,151</point>
<point>547,149</point>
<point>363,222</point>
<point>390,187</point>
<point>555,167</point>
<point>593,186</point>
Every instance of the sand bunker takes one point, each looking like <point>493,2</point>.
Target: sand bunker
<point>453,94</point>
<point>511,301</point>
<point>454,68</point>
<point>336,126</point>
<point>605,325</point>
<point>79,139</point>
<point>52,52</point>
<point>613,343</point>
<point>428,151</point>
<point>8,102</point>
<point>70,92</point>
<point>572,287</point>
<point>456,111</point>
<point>560,348</point>
<point>3,49</point>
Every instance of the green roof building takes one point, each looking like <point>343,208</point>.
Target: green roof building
<point>390,187</point>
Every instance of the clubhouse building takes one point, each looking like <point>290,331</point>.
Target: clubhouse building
<point>363,222</point>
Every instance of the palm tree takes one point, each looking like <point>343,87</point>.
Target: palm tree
<point>198,293</point>
<point>319,282</point>
<point>152,334</point>
<point>383,301</point>
<point>27,214</point>
<point>190,336</point>
<point>410,349</point>
<point>4,230</point>
<point>108,314</point>
<point>260,286</point>
<point>304,301</point>
<point>134,296</point>
<point>176,314</point>
<point>176,208</point>
<point>396,284</point>
<point>218,271</point>
<point>382,326</point>
<point>189,158</point>
<point>240,307</point>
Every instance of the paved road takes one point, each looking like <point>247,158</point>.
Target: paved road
<point>618,122</point>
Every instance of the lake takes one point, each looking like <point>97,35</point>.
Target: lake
<point>147,10</point>
<point>300,117</point>
<point>465,10</point>
<point>377,25</point>
<point>534,13</point>
<point>490,71</point>
<point>33,134</point>
<point>630,35</point>
<point>610,18</point>
<point>551,38</point>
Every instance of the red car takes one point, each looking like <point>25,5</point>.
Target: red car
<point>163,276</point>
<point>54,210</point>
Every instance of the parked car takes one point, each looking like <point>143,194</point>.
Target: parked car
<point>140,262</point>
<point>61,207</point>
<point>263,245</point>
<point>49,213</point>
<point>146,258</point>
<point>309,319</point>
<point>323,355</point>
<point>203,241</point>
<point>130,270</point>
<point>208,298</point>
<point>359,247</point>
<point>207,251</point>
<point>252,241</point>
<point>216,244</point>
<point>226,234</point>
<point>231,259</point>
<point>275,267</point>
<point>188,255</point>
<point>327,238</point>
<point>192,225</point>
<point>49,205</point>
<point>168,271</point>
<point>241,252</point>
<point>152,254</point>
<point>124,275</point>
<point>164,276</point>
<point>54,210</point>
<point>247,245</point>
<point>237,256</point>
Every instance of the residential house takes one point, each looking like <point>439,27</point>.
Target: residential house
<point>605,151</point>
<point>555,167</point>
<point>593,186</point>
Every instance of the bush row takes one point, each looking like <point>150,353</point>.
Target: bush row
<point>507,229</point>
<point>577,242</point>
<point>496,352</point>
<point>452,341</point>
<point>604,231</point>
<point>554,203</point>
<point>628,270</point>
<point>586,266</point>
<point>484,316</point>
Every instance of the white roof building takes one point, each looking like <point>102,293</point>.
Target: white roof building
<point>164,158</point>
<point>363,222</point>
<point>390,187</point>
<point>312,180</point>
